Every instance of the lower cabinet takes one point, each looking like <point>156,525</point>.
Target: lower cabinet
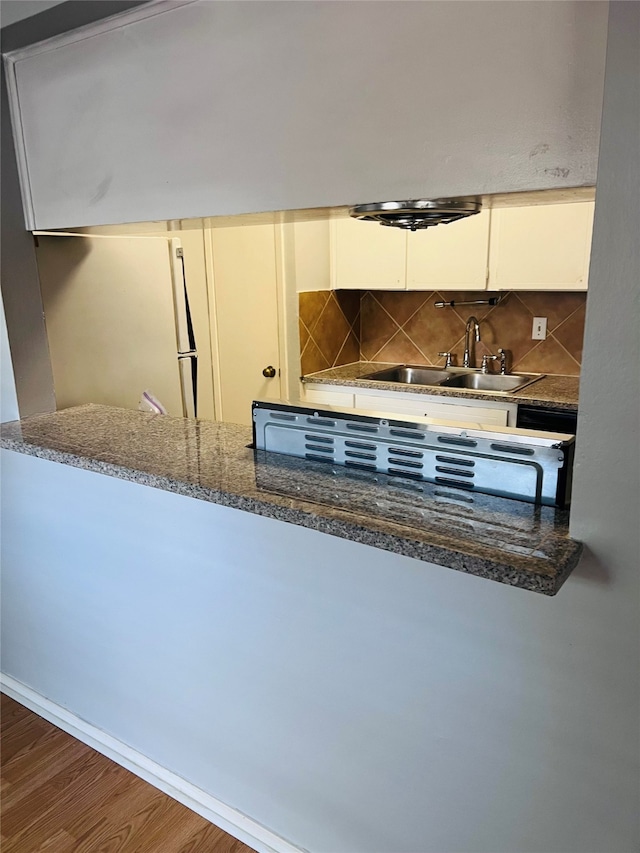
<point>486,412</point>
<point>321,395</point>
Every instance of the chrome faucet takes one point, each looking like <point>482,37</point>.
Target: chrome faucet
<point>472,323</point>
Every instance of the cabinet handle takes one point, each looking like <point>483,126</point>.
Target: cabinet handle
<point>269,372</point>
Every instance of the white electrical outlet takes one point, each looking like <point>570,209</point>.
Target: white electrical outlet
<point>539,331</point>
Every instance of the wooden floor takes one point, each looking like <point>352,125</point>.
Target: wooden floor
<point>59,795</point>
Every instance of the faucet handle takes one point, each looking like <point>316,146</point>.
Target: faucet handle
<point>485,362</point>
<point>448,356</point>
<point>503,360</point>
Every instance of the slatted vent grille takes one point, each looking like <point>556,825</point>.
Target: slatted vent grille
<point>457,459</point>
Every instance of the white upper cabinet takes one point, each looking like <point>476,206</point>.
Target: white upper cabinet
<point>538,247</point>
<point>367,256</point>
<point>542,247</point>
<point>450,257</point>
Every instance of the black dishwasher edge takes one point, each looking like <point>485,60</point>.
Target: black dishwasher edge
<point>547,419</point>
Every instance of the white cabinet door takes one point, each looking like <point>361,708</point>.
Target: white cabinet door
<point>450,257</point>
<point>367,256</point>
<point>542,247</point>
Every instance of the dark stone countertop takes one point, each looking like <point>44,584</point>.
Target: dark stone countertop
<point>559,392</point>
<point>509,541</point>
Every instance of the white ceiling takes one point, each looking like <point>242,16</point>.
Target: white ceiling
<point>16,10</point>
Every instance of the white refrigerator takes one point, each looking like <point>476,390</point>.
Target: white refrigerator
<point>118,320</point>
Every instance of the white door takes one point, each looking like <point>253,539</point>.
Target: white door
<point>244,318</point>
<point>110,317</point>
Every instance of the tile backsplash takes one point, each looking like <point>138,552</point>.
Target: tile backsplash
<point>329,323</point>
<point>342,326</point>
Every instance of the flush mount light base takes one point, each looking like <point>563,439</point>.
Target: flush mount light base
<point>417,213</point>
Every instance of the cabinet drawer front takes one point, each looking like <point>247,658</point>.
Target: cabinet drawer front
<point>428,409</point>
<point>329,398</point>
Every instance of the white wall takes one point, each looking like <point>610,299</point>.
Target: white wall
<point>607,479</point>
<point>8,398</point>
<point>351,700</point>
<point>21,287</point>
<point>197,111</point>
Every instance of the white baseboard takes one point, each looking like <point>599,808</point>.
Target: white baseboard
<point>227,818</point>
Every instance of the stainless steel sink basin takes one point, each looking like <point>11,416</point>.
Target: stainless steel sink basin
<point>410,375</point>
<point>490,382</point>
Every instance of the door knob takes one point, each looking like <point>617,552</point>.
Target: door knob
<point>269,372</point>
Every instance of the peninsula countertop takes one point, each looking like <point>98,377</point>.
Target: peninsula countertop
<point>559,392</point>
<point>509,541</point>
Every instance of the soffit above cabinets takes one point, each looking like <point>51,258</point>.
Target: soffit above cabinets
<point>217,108</point>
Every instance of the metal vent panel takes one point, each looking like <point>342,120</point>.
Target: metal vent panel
<point>525,467</point>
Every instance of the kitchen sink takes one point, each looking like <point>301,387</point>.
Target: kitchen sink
<point>490,381</point>
<point>409,375</point>
<point>497,383</point>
